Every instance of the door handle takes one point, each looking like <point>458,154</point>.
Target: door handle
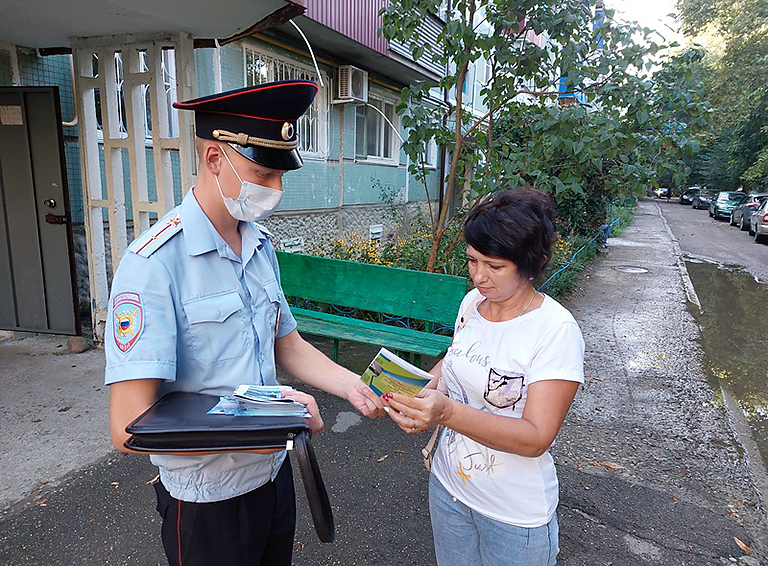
<point>56,219</point>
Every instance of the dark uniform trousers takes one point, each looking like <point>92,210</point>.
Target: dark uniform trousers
<point>253,529</point>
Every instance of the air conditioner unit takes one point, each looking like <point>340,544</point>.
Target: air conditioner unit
<point>353,84</point>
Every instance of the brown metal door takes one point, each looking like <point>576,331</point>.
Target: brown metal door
<point>37,267</point>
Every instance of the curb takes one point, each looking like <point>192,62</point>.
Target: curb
<point>687,283</point>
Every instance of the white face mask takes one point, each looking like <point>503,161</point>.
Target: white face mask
<point>255,202</point>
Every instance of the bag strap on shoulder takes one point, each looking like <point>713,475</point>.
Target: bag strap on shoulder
<point>466,313</point>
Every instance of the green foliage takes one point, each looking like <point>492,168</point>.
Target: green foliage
<point>563,269</point>
<point>629,128</point>
<point>715,166</point>
<point>735,71</point>
<point>757,174</point>
<point>405,247</point>
<point>750,151</point>
<point>733,77</point>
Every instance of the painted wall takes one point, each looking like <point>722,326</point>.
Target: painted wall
<point>358,19</point>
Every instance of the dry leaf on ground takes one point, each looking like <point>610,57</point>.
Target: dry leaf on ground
<point>742,546</point>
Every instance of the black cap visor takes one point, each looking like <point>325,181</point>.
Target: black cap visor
<point>280,159</point>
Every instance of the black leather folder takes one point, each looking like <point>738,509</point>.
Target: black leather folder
<point>178,422</point>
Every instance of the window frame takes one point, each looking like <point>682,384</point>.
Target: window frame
<point>382,126</point>
<point>431,154</point>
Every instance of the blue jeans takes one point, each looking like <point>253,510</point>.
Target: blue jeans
<point>464,536</point>
<point>606,228</point>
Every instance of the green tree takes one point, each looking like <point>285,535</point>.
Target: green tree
<point>734,74</point>
<point>738,63</point>
<point>622,128</point>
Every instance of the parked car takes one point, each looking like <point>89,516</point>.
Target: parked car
<point>701,200</point>
<point>663,192</point>
<point>721,205</point>
<point>686,197</point>
<point>740,215</point>
<point>758,223</point>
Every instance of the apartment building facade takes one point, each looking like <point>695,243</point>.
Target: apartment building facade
<point>126,156</point>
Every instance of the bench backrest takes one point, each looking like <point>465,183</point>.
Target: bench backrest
<point>401,292</point>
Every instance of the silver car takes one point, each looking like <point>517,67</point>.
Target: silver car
<point>758,223</point>
<point>740,215</point>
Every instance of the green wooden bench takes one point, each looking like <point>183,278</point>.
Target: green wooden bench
<point>397,294</point>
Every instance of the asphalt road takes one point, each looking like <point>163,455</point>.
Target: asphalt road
<point>702,237</point>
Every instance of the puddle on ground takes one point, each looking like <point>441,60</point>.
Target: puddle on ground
<point>734,340</point>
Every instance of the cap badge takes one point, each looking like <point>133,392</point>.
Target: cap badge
<point>287,131</point>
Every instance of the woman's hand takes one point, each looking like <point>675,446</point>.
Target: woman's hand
<point>417,414</point>
<point>315,420</point>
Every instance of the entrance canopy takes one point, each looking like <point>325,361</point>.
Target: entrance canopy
<point>55,24</point>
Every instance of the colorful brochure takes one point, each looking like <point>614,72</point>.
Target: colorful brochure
<point>259,400</point>
<point>389,373</point>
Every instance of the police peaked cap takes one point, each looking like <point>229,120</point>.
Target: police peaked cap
<point>259,122</point>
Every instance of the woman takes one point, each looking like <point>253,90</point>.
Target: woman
<point>509,378</point>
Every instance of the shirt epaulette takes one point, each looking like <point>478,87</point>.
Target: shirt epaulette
<point>151,240</point>
<point>264,230</point>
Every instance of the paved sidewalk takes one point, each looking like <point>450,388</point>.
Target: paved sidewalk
<point>651,472</point>
<point>53,413</point>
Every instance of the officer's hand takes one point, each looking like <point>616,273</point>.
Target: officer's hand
<point>315,420</point>
<point>364,400</point>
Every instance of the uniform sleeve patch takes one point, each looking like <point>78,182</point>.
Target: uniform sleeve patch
<point>129,320</point>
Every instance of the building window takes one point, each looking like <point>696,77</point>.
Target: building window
<point>375,138</point>
<point>430,154</point>
<point>122,130</point>
<point>263,67</point>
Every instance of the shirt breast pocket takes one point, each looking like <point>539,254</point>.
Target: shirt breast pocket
<point>217,327</point>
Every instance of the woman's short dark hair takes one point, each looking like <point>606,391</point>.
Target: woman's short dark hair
<point>516,225</point>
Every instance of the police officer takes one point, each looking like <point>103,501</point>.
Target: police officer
<point>196,305</point>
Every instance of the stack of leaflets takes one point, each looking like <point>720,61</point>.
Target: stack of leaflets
<point>259,401</point>
<point>389,373</point>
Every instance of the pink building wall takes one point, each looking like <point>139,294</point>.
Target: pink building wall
<point>356,19</point>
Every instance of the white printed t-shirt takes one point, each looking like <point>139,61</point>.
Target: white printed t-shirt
<point>489,367</point>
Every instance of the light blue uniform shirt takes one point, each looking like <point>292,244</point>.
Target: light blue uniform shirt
<point>185,309</point>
